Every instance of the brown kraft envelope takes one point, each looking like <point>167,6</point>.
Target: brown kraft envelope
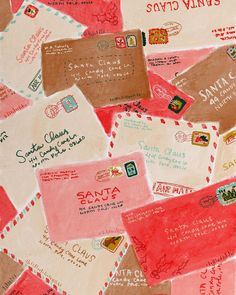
<point>129,279</point>
<point>5,14</point>
<point>9,272</point>
<point>109,69</point>
<point>212,83</point>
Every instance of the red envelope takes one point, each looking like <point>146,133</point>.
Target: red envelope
<point>85,200</point>
<point>177,236</point>
<point>29,284</point>
<point>100,16</point>
<point>7,209</point>
<point>159,105</point>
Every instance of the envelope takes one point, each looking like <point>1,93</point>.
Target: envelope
<point>92,193</point>
<point>159,105</point>
<point>5,14</point>
<point>212,83</point>
<point>33,25</point>
<point>226,158</point>
<point>181,24</point>
<point>84,260</point>
<point>7,209</point>
<point>11,102</point>
<point>99,16</point>
<point>9,272</point>
<point>170,64</point>
<point>218,279</point>
<point>177,236</point>
<point>129,279</point>
<point>109,69</point>
<point>28,283</point>
<point>56,131</point>
<point>179,155</point>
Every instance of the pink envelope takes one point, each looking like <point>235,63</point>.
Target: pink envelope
<point>159,105</point>
<point>85,200</point>
<point>7,209</point>
<point>218,279</point>
<point>170,64</point>
<point>177,236</point>
<point>11,102</point>
<point>100,16</point>
<point>29,284</point>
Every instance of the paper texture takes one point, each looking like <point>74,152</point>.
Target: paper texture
<point>170,64</point>
<point>174,237</point>
<point>57,131</point>
<point>179,156</point>
<point>9,272</point>
<point>219,279</point>
<point>109,69</point>
<point>226,156</point>
<point>20,57</point>
<point>212,83</point>
<point>111,186</point>
<point>129,279</point>
<point>83,260</point>
<point>181,24</point>
<point>5,14</point>
<point>162,103</point>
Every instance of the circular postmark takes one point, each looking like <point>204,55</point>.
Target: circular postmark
<point>51,111</point>
<point>208,201</point>
<point>103,175</point>
<point>103,45</point>
<point>180,136</point>
<point>173,28</point>
<point>96,244</point>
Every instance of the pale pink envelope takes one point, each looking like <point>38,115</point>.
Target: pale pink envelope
<point>11,102</point>
<point>170,64</point>
<point>85,200</point>
<point>217,279</point>
<point>176,236</point>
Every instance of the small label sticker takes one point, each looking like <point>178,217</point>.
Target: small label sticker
<point>230,137</point>
<point>115,171</point>
<point>201,138</point>
<point>158,36</point>
<point>31,11</point>
<point>36,82</point>
<point>120,42</point>
<point>69,104</point>
<point>131,41</point>
<point>227,194</point>
<point>232,52</point>
<point>131,169</point>
<point>112,243</point>
<point>177,104</point>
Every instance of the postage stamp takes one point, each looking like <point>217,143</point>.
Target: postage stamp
<point>227,194</point>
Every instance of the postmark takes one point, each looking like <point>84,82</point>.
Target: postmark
<point>207,201</point>
<point>31,11</point>
<point>103,45</point>
<point>200,138</point>
<point>232,52</point>
<point>181,137</point>
<point>176,105</point>
<point>68,104</point>
<point>120,42</point>
<point>173,28</point>
<point>158,36</point>
<point>230,137</point>
<point>103,175</point>
<point>96,244</point>
<point>131,41</point>
<point>227,194</point>
<point>131,169</point>
<point>112,243</point>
